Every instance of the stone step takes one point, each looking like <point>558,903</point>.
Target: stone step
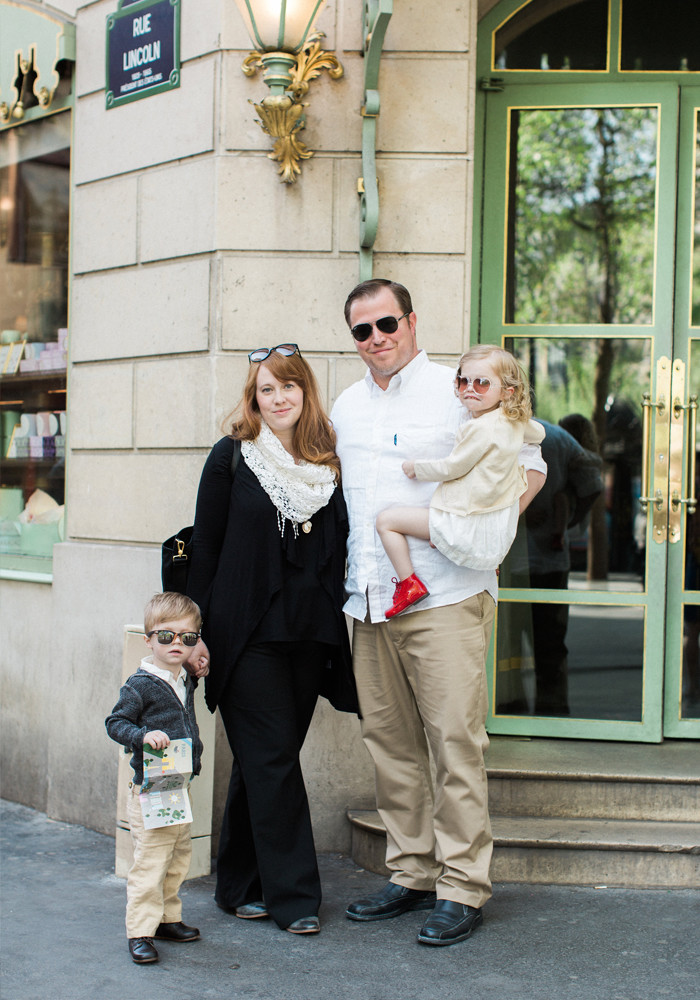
<point>598,798</point>
<point>566,851</point>
<point>585,779</point>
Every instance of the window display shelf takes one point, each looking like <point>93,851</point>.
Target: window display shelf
<point>21,464</point>
<point>57,375</point>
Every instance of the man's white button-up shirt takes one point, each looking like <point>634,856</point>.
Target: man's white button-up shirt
<point>415,417</point>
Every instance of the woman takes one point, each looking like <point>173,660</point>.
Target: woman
<point>267,572</point>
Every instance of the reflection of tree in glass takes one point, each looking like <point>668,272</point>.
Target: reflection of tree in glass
<point>581,215</point>
<point>564,373</point>
<point>603,379</point>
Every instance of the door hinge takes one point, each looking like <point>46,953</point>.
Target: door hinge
<point>492,83</point>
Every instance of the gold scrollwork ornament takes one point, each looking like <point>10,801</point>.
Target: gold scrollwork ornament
<point>281,118</point>
<point>310,63</point>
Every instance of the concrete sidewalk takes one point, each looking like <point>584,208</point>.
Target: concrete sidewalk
<point>62,936</point>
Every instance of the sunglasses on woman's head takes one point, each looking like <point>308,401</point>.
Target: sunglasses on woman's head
<point>263,353</point>
<point>166,636</point>
<point>387,324</point>
<point>481,385</point>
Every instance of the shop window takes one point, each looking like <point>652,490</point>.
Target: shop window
<point>34,239</point>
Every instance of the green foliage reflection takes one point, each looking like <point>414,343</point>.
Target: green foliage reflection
<point>582,215</point>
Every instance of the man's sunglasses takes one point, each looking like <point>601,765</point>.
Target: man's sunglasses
<point>166,636</point>
<point>387,324</point>
<point>263,353</point>
<point>480,385</point>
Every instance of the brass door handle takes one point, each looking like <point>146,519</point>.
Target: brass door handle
<point>676,499</point>
<point>658,498</point>
<point>655,485</point>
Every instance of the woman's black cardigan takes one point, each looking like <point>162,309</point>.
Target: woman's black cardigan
<point>237,567</point>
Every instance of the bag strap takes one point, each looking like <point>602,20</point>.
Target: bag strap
<point>236,454</point>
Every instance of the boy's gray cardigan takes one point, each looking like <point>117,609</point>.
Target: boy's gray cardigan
<point>145,703</point>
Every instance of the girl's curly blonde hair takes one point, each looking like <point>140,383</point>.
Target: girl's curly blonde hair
<point>517,405</point>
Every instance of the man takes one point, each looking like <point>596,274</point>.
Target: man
<point>420,676</point>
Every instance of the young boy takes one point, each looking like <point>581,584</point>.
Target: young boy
<point>156,705</point>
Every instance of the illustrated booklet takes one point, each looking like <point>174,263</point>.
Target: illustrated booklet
<point>166,774</point>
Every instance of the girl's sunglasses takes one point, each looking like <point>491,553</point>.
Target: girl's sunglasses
<point>263,353</point>
<point>387,324</point>
<point>480,385</point>
<point>166,636</point>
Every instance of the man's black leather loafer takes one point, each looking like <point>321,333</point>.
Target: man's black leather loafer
<point>449,923</point>
<point>393,900</point>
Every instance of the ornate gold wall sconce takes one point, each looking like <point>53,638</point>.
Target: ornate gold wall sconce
<point>290,55</point>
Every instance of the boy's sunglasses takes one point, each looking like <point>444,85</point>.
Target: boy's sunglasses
<point>263,353</point>
<point>166,636</point>
<point>387,324</point>
<point>481,385</point>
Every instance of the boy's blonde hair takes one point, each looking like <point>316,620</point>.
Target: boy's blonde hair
<point>169,607</point>
<point>517,405</point>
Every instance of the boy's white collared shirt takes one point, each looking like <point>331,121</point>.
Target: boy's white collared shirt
<point>176,683</point>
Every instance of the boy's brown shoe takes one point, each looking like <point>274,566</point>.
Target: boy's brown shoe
<point>177,932</point>
<point>142,950</point>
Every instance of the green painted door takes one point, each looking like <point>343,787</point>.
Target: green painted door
<point>682,661</point>
<point>588,270</point>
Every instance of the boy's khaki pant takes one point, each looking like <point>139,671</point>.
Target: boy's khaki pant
<point>161,862</point>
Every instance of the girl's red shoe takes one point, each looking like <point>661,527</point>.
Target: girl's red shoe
<point>408,592</point>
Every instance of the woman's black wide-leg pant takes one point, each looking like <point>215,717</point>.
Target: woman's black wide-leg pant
<point>266,850</point>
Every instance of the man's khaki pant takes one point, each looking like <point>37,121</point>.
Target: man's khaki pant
<point>161,862</point>
<point>421,682</point>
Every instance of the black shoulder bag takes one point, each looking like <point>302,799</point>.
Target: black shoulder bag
<point>176,551</point>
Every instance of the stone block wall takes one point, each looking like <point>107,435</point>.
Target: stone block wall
<point>187,252</point>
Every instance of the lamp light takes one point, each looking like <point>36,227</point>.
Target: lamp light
<point>290,54</point>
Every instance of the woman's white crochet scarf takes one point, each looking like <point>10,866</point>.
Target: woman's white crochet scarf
<point>297,490</point>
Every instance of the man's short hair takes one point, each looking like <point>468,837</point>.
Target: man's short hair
<point>368,289</point>
<point>169,607</point>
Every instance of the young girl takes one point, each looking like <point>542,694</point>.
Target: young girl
<point>473,515</point>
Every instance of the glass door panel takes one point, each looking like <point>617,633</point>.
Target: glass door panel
<point>689,688</point>
<point>584,193</point>
<point>695,239</point>
<point>584,529</point>
<point>657,36</point>
<point>580,660</point>
<point>581,215</point>
<point>682,690</point>
<point>569,35</point>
